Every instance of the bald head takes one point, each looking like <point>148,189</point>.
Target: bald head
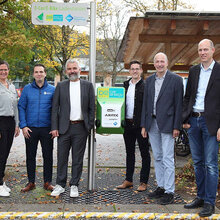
<point>161,55</point>
<point>206,41</point>
<point>160,63</point>
<point>206,50</point>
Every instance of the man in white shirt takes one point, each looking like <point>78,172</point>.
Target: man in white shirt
<point>134,89</point>
<point>73,113</point>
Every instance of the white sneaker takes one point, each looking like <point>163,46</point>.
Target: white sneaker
<point>6,187</point>
<point>3,191</point>
<point>74,191</point>
<point>57,190</point>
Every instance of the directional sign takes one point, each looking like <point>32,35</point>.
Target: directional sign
<point>45,13</point>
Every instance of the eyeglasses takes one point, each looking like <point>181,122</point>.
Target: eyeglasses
<point>135,69</point>
<point>2,70</point>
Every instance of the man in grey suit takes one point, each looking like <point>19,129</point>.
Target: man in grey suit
<point>73,113</point>
<point>161,119</point>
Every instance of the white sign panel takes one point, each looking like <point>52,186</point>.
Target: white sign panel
<point>111,115</point>
<point>46,13</point>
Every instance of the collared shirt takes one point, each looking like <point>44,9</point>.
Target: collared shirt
<point>204,77</point>
<point>8,101</point>
<point>75,101</point>
<point>158,85</point>
<point>130,100</point>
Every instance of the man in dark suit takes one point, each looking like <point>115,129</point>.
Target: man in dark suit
<point>134,89</point>
<point>201,115</point>
<point>73,113</point>
<point>161,119</point>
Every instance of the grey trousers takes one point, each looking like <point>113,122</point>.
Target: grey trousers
<point>163,152</point>
<point>74,139</point>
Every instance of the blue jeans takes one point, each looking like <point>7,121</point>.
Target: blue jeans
<point>204,149</point>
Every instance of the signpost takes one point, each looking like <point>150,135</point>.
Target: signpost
<point>44,13</point>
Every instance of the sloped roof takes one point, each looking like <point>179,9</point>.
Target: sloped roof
<point>175,33</point>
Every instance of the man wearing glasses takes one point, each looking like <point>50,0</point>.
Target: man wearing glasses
<point>134,89</point>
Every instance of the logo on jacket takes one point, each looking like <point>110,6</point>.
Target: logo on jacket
<point>47,93</point>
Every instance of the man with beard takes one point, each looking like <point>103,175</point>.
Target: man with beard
<point>35,106</point>
<point>73,113</point>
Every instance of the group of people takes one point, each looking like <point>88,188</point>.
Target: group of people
<point>156,111</point>
<point>44,112</point>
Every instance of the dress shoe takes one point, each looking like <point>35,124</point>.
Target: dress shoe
<point>142,187</point>
<point>207,210</point>
<point>125,184</point>
<point>196,203</point>
<point>48,186</point>
<point>158,193</point>
<point>28,187</point>
<point>168,198</point>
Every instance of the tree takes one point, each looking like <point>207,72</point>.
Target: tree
<point>16,40</point>
<point>25,44</point>
<point>110,29</point>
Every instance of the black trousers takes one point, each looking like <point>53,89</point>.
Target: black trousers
<point>42,135</point>
<point>131,134</point>
<point>7,130</point>
<point>74,139</point>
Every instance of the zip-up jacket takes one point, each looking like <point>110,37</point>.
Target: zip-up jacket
<point>138,101</point>
<point>35,105</point>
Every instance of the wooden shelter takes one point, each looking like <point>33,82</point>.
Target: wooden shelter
<point>175,33</point>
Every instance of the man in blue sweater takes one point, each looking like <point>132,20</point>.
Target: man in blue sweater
<point>34,108</point>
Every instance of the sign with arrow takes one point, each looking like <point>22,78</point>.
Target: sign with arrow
<point>45,13</point>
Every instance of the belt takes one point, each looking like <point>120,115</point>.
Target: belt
<point>76,122</point>
<point>153,116</point>
<point>198,114</point>
<point>129,120</point>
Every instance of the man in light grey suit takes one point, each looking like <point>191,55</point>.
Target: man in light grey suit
<point>161,119</point>
<point>73,113</point>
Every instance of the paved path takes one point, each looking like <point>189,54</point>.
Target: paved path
<point>110,155</point>
<point>110,152</point>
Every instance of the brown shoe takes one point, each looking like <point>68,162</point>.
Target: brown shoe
<point>48,186</point>
<point>28,187</point>
<point>124,185</point>
<point>142,187</point>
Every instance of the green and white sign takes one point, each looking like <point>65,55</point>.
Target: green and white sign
<point>110,110</point>
<point>44,13</point>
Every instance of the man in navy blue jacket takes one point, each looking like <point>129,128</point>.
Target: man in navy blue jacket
<point>35,121</point>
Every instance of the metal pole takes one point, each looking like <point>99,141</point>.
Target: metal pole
<point>92,73</point>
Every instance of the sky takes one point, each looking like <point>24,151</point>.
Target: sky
<point>205,5</point>
<point>200,5</point>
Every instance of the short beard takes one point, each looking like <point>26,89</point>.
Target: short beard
<point>74,77</point>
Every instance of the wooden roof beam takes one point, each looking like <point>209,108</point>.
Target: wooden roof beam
<point>206,25</point>
<point>180,54</point>
<point>157,38</point>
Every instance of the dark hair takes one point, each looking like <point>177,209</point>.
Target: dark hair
<point>135,62</point>
<point>39,64</point>
<point>4,62</point>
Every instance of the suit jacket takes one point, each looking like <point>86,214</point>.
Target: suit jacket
<point>168,105</point>
<point>61,106</point>
<point>212,97</point>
